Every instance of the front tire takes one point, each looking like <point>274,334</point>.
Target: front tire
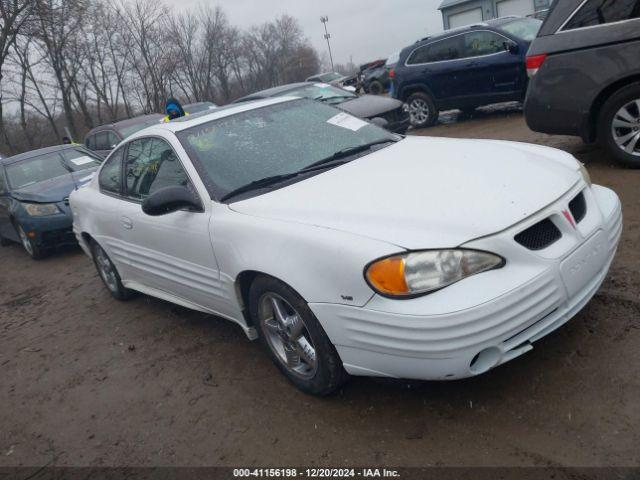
<point>376,88</point>
<point>294,339</point>
<point>619,125</point>
<point>33,249</point>
<point>422,110</point>
<point>109,274</point>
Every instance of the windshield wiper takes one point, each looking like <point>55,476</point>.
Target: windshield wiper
<point>257,184</point>
<point>341,154</point>
<point>319,165</point>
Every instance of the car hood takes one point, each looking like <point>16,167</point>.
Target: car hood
<point>55,189</point>
<point>370,106</point>
<point>426,192</point>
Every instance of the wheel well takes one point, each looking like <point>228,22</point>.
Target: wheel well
<point>603,96</point>
<point>408,91</point>
<point>243,285</point>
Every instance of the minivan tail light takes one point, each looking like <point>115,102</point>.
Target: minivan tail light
<point>392,73</point>
<point>534,63</point>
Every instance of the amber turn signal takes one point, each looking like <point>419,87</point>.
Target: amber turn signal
<point>387,276</point>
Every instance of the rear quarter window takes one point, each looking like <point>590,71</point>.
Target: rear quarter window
<point>600,12</point>
<point>110,178</point>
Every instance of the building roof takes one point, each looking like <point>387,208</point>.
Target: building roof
<point>451,3</point>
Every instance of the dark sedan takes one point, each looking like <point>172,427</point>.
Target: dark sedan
<point>34,193</point>
<point>105,138</point>
<point>383,111</point>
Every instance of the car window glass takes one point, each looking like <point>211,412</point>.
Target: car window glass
<point>90,142</point>
<point>449,49</point>
<point>481,43</point>
<point>151,165</point>
<point>78,159</point>
<point>420,55</point>
<point>111,173</point>
<point>102,141</point>
<point>523,28</point>
<point>247,146</point>
<point>112,140</point>
<point>35,170</point>
<point>598,12</point>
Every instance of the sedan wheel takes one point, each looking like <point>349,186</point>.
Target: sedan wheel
<point>618,126</point>
<point>31,248</point>
<point>293,337</point>
<point>288,336</point>
<point>626,128</point>
<point>108,273</point>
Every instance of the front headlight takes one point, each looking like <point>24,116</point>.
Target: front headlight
<point>41,209</point>
<point>585,174</point>
<point>417,273</point>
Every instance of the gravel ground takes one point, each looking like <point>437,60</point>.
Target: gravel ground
<point>86,380</point>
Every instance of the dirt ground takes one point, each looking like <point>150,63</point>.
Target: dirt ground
<point>86,380</point>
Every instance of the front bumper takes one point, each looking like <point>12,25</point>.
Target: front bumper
<point>488,319</point>
<point>51,231</point>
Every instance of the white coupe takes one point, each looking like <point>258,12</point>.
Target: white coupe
<point>347,249</point>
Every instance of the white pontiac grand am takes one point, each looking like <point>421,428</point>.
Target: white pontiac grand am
<point>347,249</point>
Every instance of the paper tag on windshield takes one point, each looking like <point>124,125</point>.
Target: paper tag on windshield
<point>322,85</point>
<point>81,160</point>
<point>347,121</point>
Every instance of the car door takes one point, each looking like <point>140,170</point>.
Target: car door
<point>444,67</point>
<point>171,253</point>
<point>105,207</point>
<point>6,229</point>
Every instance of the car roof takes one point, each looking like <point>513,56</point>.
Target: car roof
<point>128,122</point>
<point>272,92</point>
<point>36,153</point>
<point>186,122</point>
<point>493,23</point>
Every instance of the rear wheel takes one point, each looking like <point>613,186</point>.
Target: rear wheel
<point>619,125</point>
<point>294,339</point>
<point>109,273</point>
<point>376,88</point>
<point>32,248</point>
<point>422,110</point>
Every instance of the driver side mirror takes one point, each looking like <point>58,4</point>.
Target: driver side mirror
<point>510,47</point>
<point>169,200</point>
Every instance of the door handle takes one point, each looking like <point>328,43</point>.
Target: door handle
<point>127,223</point>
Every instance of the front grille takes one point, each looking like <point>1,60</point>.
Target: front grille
<point>539,236</point>
<point>578,207</point>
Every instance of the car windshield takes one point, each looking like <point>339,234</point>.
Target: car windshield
<point>320,91</point>
<point>274,140</point>
<point>329,77</point>
<point>131,129</point>
<point>77,160</point>
<point>524,28</point>
<point>34,170</point>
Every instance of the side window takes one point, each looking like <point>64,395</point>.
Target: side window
<point>449,49</point>
<point>112,139</point>
<point>599,12</point>
<point>90,142</point>
<point>481,43</point>
<point>102,141</point>
<point>151,165</point>
<point>420,55</point>
<point>111,174</point>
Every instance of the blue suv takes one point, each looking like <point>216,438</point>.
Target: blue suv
<point>465,68</point>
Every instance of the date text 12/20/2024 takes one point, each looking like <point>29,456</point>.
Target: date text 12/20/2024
<point>315,473</point>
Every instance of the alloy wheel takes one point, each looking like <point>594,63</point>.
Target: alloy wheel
<point>106,270</point>
<point>418,111</point>
<point>26,243</point>
<point>287,335</point>
<point>626,128</point>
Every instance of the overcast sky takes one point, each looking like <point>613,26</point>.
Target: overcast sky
<point>364,29</point>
